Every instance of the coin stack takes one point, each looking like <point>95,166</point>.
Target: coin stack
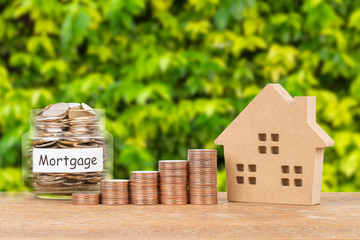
<point>173,181</point>
<point>115,192</point>
<point>86,198</point>
<point>203,176</point>
<point>66,125</point>
<point>144,187</point>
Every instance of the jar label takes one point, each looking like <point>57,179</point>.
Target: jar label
<point>67,160</point>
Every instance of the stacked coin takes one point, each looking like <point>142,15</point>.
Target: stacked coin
<point>173,181</point>
<point>115,192</point>
<point>203,176</point>
<point>67,125</point>
<point>85,198</point>
<point>144,187</point>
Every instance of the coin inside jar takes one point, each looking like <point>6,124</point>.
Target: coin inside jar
<point>76,112</point>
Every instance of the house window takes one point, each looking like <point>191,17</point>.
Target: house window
<point>285,182</point>
<point>240,180</point>
<point>240,167</point>
<point>275,137</point>
<point>298,169</point>
<point>275,150</point>
<point>262,137</point>
<point>252,167</point>
<point>285,169</point>
<point>298,182</point>
<point>252,180</point>
<point>262,149</point>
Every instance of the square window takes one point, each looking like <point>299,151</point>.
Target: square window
<point>262,137</point>
<point>298,182</point>
<point>262,149</point>
<point>285,182</point>
<point>240,167</point>
<point>298,169</point>
<point>252,180</point>
<point>285,169</point>
<point>275,150</point>
<point>275,137</point>
<point>240,180</point>
<point>252,167</point>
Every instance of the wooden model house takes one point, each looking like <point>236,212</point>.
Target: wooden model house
<point>274,150</point>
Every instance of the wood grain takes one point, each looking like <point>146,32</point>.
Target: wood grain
<point>23,216</point>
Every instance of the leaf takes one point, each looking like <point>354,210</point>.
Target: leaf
<point>162,90</point>
<point>355,87</point>
<point>237,8</point>
<point>278,19</point>
<point>344,141</point>
<point>161,5</point>
<point>18,59</point>
<point>5,84</point>
<point>143,96</point>
<point>164,63</point>
<point>61,66</point>
<point>249,27</point>
<point>201,4</point>
<point>222,17</point>
<point>350,163</point>
<point>355,19</point>
<point>75,26</point>
<point>46,26</point>
<point>33,44</point>
<point>2,27</point>
<point>47,45</point>
<point>197,28</point>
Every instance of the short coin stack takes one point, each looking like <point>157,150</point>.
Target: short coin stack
<point>173,182</point>
<point>115,192</point>
<point>86,198</point>
<point>144,187</point>
<point>203,176</point>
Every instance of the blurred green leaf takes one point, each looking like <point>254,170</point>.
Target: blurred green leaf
<point>237,8</point>
<point>350,163</point>
<point>222,16</point>
<point>75,26</point>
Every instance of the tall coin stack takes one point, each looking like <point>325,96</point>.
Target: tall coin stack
<point>173,181</point>
<point>115,192</point>
<point>144,187</point>
<point>203,176</point>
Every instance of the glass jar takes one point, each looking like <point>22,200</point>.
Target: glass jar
<point>66,151</point>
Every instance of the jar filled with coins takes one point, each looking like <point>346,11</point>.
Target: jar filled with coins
<point>66,150</point>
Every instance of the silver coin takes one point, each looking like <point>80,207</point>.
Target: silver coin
<point>79,113</point>
<point>72,105</point>
<point>88,108</point>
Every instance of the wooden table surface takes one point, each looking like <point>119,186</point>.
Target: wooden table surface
<point>23,216</point>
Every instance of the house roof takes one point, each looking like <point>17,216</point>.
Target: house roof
<point>302,105</point>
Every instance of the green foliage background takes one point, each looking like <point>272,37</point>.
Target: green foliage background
<point>173,74</point>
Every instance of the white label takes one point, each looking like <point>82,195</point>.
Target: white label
<point>67,160</point>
